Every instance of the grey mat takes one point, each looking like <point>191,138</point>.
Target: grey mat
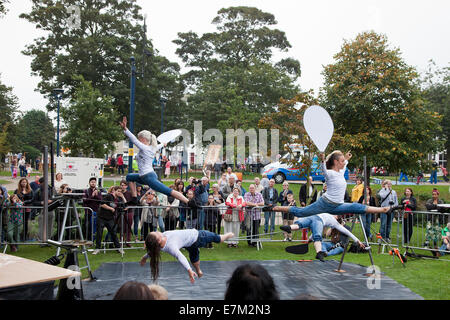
<point>292,278</point>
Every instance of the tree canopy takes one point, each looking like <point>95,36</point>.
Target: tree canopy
<point>90,122</point>
<point>231,76</point>
<point>376,104</point>
<point>99,49</point>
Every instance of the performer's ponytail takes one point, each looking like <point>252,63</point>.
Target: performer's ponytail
<point>154,142</point>
<point>154,252</point>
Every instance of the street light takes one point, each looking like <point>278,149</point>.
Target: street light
<point>58,94</point>
<point>163,105</point>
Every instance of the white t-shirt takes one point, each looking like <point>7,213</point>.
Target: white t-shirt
<point>331,222</point>
<point>177,239</point>
<point>336,184</point>
<point>145,155</point>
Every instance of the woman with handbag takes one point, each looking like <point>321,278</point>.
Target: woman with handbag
<point>410,204</point>
<point>234,215</point>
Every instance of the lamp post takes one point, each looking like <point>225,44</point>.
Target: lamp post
<point>163,105</point>
<point>132,98</point>
<point>58,94</point>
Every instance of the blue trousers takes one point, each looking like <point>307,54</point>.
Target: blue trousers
<point>150,179</point>
<point>327,247</point>
<point>321,206</point>
<point>204,238</point>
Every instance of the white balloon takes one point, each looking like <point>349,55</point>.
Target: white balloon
<point>319,126</point>
<point>168,136</point>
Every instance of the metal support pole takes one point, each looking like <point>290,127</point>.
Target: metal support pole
<point>45,218</point>
<point>163,105</point>
<point>52,167</point>
<point>132,101</point>
<point>57,131</point>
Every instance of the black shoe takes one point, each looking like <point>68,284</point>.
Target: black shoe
<point>320,255</point>
<point>286,229</point>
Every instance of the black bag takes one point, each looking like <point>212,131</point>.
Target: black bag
<point>355,248</point>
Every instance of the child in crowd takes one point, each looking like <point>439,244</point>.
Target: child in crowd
<point>29,170</point>
<point>15,220</point>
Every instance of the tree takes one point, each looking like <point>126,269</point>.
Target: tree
<point>90,122</point>
<point>436,90</point>
<point>376,105</point>
<point>36,129</point>
<point>8,115</point>
<point>99,49</point>
<point>232,80</point>
<point>3,9</point>
<point>288,119</point>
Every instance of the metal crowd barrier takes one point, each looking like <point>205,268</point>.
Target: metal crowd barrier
<point>422,230</point>
<point>25,228</point>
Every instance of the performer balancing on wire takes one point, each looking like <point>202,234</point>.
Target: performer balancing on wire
<point>147,144</point>
<point>332,202</point>
<point>172,241</point>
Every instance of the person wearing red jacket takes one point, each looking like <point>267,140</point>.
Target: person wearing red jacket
<point>234,215</point>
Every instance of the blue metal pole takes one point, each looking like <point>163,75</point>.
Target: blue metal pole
<point>57,131</point>
<point>131,128</point>
<point>163,104</point>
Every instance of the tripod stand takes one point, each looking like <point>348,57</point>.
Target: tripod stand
<point>70,205</point>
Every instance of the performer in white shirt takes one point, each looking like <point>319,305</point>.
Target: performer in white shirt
<point>148,147</point>
<point>333,168</point>
<point>172,241</point>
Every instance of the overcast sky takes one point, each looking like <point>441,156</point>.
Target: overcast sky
<point>315,29</point>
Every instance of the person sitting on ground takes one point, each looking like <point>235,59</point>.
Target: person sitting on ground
<point>316,223</point>
<point>133,290</point>
<point>159,293</point>
<point>338,240</point>
<point>172,241</point>
<point>250,282</point>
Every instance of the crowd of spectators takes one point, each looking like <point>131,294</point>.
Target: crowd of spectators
<point>220,206</point>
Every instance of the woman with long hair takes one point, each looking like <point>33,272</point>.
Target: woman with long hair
<point>172,241</point>
<point>367,218</point>
<point>180,188</point>
<point>25,194</point>
<point>333,168</point>
<point>148,147</point>
<point>410,204</point>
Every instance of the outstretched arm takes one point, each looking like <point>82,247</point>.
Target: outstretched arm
<point>131,136</point>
